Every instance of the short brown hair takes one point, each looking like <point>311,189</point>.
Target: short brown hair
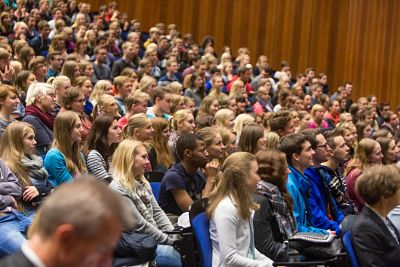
<point>378,181</point>
<point>279,120</point>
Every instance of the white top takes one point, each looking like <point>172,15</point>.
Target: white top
<point>231,237</point>
<point>32,257</point>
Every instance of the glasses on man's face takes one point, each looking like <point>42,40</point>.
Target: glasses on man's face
<point>324,146</point>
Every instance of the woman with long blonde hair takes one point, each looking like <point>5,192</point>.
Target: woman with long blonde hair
<point>368,152</point>
<point>65,160</point>
<point>17,149</point>
<point>129,163</point>
<point>225,118</point>
<point>209,106</point>
<point>102,87</point>
<point>159,154</point>
<point>231,209</point>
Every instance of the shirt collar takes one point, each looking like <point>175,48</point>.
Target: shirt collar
<point>31,255</point>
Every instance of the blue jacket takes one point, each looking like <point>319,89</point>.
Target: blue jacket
<point>299,188</point>
<point>320,198</point>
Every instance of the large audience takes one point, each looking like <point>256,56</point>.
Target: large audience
<point>275,153</point>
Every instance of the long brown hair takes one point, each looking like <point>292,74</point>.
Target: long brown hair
<point>363,151</point>
<point>272,168</point>
<point>233,183</point>
<point>12,149</point>
<point>63,125</point>
<point>159,145</point>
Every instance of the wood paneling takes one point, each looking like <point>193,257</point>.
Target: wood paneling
<point>353,40</point>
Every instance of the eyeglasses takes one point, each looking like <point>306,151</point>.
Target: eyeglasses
<point>324,146</point>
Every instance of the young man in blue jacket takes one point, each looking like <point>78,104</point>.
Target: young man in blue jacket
<point>324,211</point>
<point>299,155</point>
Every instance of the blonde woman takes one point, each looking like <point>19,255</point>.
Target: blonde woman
<point>214,145</point>
<point>231,210</point>
<point>147,85</point>
<point>237,89</point>
<point>17,149</point>
<point>64,160</point>
<point>106,105</point>
<point>139,128</point>
<point>241,121</point>
<point>225,118</point>
<point>368,152</point>
<point>181,123</point>
<point>317,117</point>
<point>209,106</point>
<point>129,163</point>
<point>102,87</point>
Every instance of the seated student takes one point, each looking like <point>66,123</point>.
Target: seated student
<point>368,153</point>
<point>106,106</point>
<point>135,103</point>
<point>123,88</point>
<point>172,74</point>
<point>159,154</point>
<point>17,149</point>
<point>162,104</point>
<point>8,105</point>
<point>331,170</point>
<point>185,182</point>
<point>13,225</point>
<point>139,128</point>
<point>64,160</point>
<point>214,145</point>
<point>282,123</point>
<point>80,230</point>
<point>231,211</point>
<point>129,162</point>
<point>181,123</point>
<point>374,237</point>
<point>40,100</point>
<point>299,155</point>
<point>252,139</point>
<point>74,100</point>
<point>103,139</point>
<point>273,221</point>
<point>324,210</point>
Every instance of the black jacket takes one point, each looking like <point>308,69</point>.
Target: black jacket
<point>373,242</point>
<point>267,237</point>
<point>17,260</point>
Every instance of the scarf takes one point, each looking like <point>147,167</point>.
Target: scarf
<point>34,166</point>
<point>280,209</point>
<point>141,197</point>
<point>45,117</point>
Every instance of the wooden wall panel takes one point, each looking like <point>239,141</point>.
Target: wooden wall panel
<point>353,40</point>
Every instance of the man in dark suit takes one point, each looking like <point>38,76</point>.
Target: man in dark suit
<point>81,230</point>
<point>374,237</point>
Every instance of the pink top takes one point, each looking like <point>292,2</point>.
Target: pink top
<point>313,125</point>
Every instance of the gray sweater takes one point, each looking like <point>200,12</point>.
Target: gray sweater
<point>143,226</point>
<point>9,188</point>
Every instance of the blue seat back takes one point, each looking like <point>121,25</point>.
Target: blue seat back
<point>350,250</point>
<point>155,187</point>
<point>201,226</point>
